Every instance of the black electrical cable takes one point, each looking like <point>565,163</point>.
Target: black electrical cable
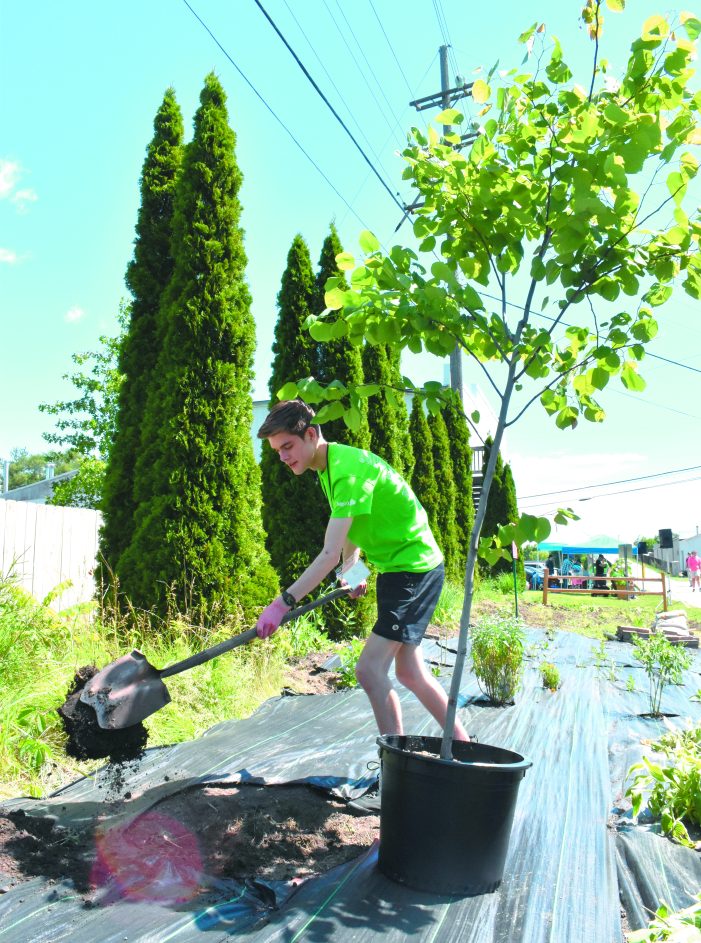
<point>327,103</point>
<point>277,118</point>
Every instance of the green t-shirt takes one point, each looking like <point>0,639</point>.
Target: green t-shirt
<point>389,525</point>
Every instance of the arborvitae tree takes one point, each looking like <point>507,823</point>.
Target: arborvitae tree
<point>501,509</point>
<point>339,359</point>
<point>387,413</point>
<point>294,512</point>
<point>461,455</point>
<point>199,534</point>
<point>446,532</point>
<point>147,277</point>
<point>423,479</point>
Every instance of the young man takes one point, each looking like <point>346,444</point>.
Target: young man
<point>374,510</point>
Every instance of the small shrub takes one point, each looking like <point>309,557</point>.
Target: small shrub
<point>550,676</point>
<point>675,788</point>
<point>497,658</point>
<point>663,664</point>
<point>667,925</point>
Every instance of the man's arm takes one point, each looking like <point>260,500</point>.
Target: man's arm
<point>335,543</point>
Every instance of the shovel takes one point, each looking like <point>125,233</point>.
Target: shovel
<point>130,688</point>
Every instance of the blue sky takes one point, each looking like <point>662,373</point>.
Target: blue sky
<point>81,84</point>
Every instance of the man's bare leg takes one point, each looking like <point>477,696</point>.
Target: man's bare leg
<point>411,671</point>
<point>372,672</point>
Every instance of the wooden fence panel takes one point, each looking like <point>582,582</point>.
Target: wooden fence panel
<point>44,546</point>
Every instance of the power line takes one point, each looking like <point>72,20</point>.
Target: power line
<point>606,484</point>
<point>331,80</point>
<point>277,118</point>
<point>327,102</point>
<point>611,494</point>
<point>539,314</point>
<point>391,49</point>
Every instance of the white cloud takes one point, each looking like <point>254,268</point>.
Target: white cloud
<point>9,175</point>
<point>8,256</point>
<point>22,199</point>
<point>74,314</point>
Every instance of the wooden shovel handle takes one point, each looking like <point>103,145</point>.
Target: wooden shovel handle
<point>209,653</point>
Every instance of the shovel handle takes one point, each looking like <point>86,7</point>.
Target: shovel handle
<point>209,653</point>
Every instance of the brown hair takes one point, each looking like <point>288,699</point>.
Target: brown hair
<point>292,416</point>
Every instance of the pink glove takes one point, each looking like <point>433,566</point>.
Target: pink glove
<point>359,590</point>
<point>271,617</point>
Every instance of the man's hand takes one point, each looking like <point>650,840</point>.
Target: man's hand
<point>360,590</point>
<point>271,617</point>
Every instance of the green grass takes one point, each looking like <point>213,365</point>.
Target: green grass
<point>40,652</point>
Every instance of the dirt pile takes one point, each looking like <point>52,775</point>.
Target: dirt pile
<point>263,832</point>
<point>86,739</point>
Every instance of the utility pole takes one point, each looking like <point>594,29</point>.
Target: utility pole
<point>447,96</point>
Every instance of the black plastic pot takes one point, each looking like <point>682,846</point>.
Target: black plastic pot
<point>445,825</point>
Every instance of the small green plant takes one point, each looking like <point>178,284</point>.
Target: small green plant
<point>349,656</point>
<point>497,657</point>
<point>663,664</point>
<point>675,788</point>
<point>670,926</point>
<point>550,676</point>
<point>602,663</point>
<point>630,684</point>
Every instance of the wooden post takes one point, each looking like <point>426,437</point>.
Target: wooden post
<point>664,590</point>
<point>545,586</point>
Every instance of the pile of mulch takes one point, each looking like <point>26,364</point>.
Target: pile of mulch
<point>269,833</point>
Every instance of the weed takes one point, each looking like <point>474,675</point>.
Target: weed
<point>630,684</point>
<point>667,925</point>
<point>497,657</point>
<point>550,676</point>
<point>663,664</point>
<point>349,656</point>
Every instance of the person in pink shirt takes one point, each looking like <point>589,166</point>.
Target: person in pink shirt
<point>693,566</point>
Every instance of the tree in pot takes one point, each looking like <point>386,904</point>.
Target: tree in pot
<point>552,203</point>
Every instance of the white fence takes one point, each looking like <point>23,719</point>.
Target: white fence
<point>45,546</point>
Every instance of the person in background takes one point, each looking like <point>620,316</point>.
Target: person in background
<point>600,569</point>
<point>693,566</point>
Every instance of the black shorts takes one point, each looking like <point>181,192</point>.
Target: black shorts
<point>406,603</point>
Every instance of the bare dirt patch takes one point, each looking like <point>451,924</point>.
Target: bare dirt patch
<point>278,833</point>
<point>308,676</point>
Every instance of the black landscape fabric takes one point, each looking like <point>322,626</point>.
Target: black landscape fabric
<point>577,868</point>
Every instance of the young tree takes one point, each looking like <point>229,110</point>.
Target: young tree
<point>293,512</point>
<point>446,531</point>
<point>84,489</point>
<point>461,456</point>
<point>423,478</point>
<point>338,360</point>
<point>198,533</point>
<point>27,469</point>
<point>388,417</point>
<point>543,203</point>
<point>87,424</point>
<point>147,277</point>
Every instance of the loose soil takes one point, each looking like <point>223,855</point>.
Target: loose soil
<point>86,739</point>
<point>269,833</point>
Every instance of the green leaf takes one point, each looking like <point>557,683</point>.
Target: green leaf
<point>475,416</point>
<point>334,299</point>
<point>369,243</point>
<point>345,261</point>
<point>328,330</point>
<point>449,116</point>
<point>692,25</point>
<point>329,412</point>
<point>631,378</point>
<point>480,91</point>
<point>616,5</point>
<point>288,391</point>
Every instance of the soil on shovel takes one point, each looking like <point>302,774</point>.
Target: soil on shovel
<point>264,832</point>
<point>86,739</point>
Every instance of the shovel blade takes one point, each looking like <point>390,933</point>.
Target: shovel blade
<point>125,692</point>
